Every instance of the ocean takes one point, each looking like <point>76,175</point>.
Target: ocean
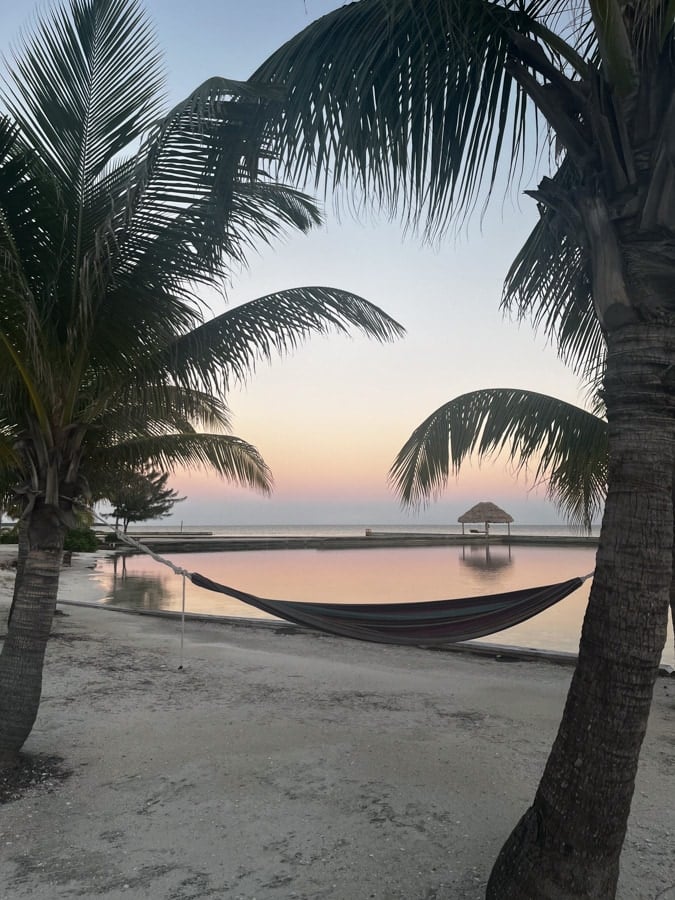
<point>371,575</point>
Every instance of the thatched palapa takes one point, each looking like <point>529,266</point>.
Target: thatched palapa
<point>486,512</point>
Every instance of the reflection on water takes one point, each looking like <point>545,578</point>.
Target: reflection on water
<point>487,559</point>
<point>152,587</point>
<point>140,591</point>
<point>373,575</point>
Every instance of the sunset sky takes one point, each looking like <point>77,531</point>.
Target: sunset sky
<point>330,419</point>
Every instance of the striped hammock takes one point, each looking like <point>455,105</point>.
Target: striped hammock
<point>431,623</point>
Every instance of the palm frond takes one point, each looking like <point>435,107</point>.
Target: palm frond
<point>156,408</point>
<point>615,46</point>
<point>84,86</point>
<point>412,104</point>
<point>549,284</point>
<point>227,456</point>
<point>19,194</point>
<point>198,171</point>
<point>28,206</point>
<point>228,346</point>
<point>579,491</point>
<point>193,207</point>
<point>565,445</point>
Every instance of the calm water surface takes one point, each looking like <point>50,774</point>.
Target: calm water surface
<point>378,575</point>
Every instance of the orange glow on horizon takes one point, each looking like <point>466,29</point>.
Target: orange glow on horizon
<point>334,482</point>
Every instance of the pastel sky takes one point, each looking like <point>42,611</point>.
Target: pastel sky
<point>330,418</point>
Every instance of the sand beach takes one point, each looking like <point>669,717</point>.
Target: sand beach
<point>279,764</point>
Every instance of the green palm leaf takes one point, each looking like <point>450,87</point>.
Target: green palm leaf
<point>565,445</point>
<point>198,189</point>
<point>228,346</point>
<point>155,408</point>
<point>226,455</point>
<point>413,104</point>
<point>83,88</point>
<point>192,209</point>
<point>549,282</point>
<point>20,243</point>
<point>27,207</point>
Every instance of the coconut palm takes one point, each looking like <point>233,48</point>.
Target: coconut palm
<point>115,218</point>
<point>422,106</point>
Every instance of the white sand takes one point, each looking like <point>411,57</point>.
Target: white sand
<point>281,764</point>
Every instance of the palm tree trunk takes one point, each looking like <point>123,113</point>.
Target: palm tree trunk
<point>24,648</point>
<point>21,554</point>
<point>567,845</point>
<point>672,580</point>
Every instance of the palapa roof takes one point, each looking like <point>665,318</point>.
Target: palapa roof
<point>485,512</point>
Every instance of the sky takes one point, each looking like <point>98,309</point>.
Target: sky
<point>330,419</point>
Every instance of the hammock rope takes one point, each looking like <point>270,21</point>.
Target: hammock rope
<point>428,623</point>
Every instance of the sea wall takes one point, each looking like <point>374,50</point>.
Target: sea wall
<point>200,543</point>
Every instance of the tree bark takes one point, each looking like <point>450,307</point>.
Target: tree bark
<point>21,554</point>
<point>22,658</point>
<point>567,845</point>
<point>672,579</point>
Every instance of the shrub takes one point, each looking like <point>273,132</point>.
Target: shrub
<point>81,540</point>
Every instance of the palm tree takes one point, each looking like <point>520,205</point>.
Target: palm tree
<point>115,217</point>
<point>421,105</point>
